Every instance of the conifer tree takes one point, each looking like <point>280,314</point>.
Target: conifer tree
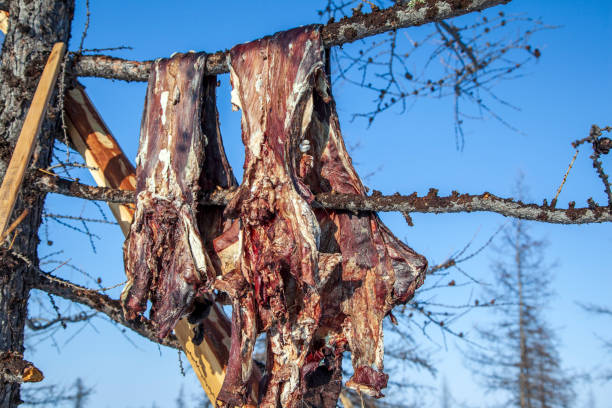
<point>520,357</point>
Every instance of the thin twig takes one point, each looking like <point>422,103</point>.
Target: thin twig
<point>553,203</point>
<point>14,224</point>
<point>71,217</point>
<point>84,34</point>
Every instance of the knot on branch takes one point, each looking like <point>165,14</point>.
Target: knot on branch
<point>13,368</point>
<point>602,145</point>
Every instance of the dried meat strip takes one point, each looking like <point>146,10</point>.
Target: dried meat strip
<point>180,154</point>
<point>311,313</point>
<point>378,270</point>
<point>279,279</point>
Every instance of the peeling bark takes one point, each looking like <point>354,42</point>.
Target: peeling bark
<point>34,26</point>
<point>17,370</point>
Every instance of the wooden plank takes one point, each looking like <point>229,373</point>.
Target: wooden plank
<point>99,148</point>
<point>31,126</point>
<point>93,140</point>
<point>4,15</point>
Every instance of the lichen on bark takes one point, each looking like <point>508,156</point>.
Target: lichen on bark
<point>34,26</point>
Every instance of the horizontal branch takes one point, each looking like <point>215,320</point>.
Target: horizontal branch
<point>100,302</point>
<point>431,203</point>
<point>347,30</point>
<point>460,203</point>
<point>52,184</point>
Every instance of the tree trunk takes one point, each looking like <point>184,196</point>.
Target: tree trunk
<point>34,26</point>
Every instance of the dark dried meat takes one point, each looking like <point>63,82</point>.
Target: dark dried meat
<point>276,288</point>
<point>287,282</point>
<point>180,154</point>
<point>378,270</point>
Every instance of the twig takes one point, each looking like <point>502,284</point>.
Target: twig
<point>71,217</point>
<point>33,324</point>
<point>14,225</point>
<point>601,145</point>
<point>553,203</point>
<point>84,34</point>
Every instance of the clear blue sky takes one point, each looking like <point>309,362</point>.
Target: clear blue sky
<point>560,97</point>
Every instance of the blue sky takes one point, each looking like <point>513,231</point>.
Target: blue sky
<point>559,97</point>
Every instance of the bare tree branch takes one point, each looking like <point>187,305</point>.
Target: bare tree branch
<point>431,203</point>
<point>37,324</point>
<point>53,184</point>
<point>347,30</point>
<point>101,303</point>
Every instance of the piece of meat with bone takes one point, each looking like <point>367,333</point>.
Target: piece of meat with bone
<point>165,255</point>
<point>287,282</point>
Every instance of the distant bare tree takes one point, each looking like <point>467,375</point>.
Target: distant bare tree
<point>445,399</point>
<point>520,357</point>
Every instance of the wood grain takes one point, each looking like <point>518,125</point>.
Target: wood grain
<point>4,18</point>
<point>22,153</point>
<point>93,140</point>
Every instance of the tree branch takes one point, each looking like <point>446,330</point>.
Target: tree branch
<point>100,302</point>
<point>347,30</point>
<point>36,325</point>
<point>431,203</point>
<point>47,183</point>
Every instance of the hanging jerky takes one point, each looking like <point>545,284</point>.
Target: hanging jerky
<point>277,287</point>
<point>311,315</point>
<point>378,270</point>
<point>165,255</point>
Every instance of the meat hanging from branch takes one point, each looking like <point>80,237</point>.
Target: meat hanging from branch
<point>168,255</point>
<point>378,270</point>
<point>288,282</point>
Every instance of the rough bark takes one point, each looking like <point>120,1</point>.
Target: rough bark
<point>17,370</point>
<point>349,29</point>
<point>34,27</point>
